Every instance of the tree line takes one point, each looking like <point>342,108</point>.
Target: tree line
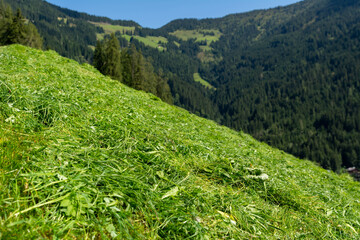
<point>130,67</point>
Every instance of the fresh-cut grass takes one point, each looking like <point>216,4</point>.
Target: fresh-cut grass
<point>85,157</point>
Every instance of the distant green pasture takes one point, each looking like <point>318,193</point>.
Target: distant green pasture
<point>151,41</point>
<point>198,78</point>
<point>108,28</point>
<point>198,35</point>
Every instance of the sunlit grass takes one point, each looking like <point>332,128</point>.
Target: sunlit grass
<point>199,35</point>
<point>151,41</point>
<point>85,157</point>
<point>109,28</point>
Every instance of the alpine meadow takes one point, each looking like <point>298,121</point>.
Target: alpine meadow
<point>85,157</point>
<point>288,75</point>
<point>240,127</point>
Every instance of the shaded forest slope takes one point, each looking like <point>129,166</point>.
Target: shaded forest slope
<point>290,77</point>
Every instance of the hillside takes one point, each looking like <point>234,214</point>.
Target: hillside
<point>83,156</point>
<point>296,86</point>
<point>288,75</point>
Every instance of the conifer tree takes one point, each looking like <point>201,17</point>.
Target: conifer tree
<point>130,67</point>
<point>33,38</point>
<point>16,30</point>
<point>5,21</point>
<point>5,10</point>
<point>13,29</point>
<point>99,57</point>
<point>137,72</point>
<point>112,65</point>
<point>163,89</point>
<point>126,67</point>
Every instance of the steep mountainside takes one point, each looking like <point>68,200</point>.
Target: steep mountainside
<point>298,88</point>
<point>85,157</point>
<point>289,75</point>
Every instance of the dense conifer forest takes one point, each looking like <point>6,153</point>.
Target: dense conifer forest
<point>14,29</point>
<point>289,76</point>
<point>129,66</point>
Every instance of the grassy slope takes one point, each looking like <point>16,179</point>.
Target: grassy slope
<point>188,34</point>
<point>150,41</point>
<point>198,78</point>
<point>108,28</point>
<point>200,35</point>
<point>83,155</point>
<point>155,42</point>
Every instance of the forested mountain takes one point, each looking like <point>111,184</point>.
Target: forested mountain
<point>298,88</point>
<point>289,76</point>
<point>15,30</point>
<point>68,32</point>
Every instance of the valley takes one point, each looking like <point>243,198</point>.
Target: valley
<point>278,73</point>
<point>240,127</point>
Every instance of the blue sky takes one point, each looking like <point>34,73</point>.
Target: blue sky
<point>156,13</point>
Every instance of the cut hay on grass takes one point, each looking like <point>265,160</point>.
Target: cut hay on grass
<point>85,157</point>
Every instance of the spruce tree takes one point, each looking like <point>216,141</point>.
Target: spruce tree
<point>5,11</point>
<point>137,69</point>
<point>16,31</point>
<point>112,65</point>
<point>130,67</point>
<point>13,29</point>
<point>126,67</point>
<point>138,73</point>
<point>163,89</point>
<point>5,21</point>
<point>99,57</point>
<point>33,38</point>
